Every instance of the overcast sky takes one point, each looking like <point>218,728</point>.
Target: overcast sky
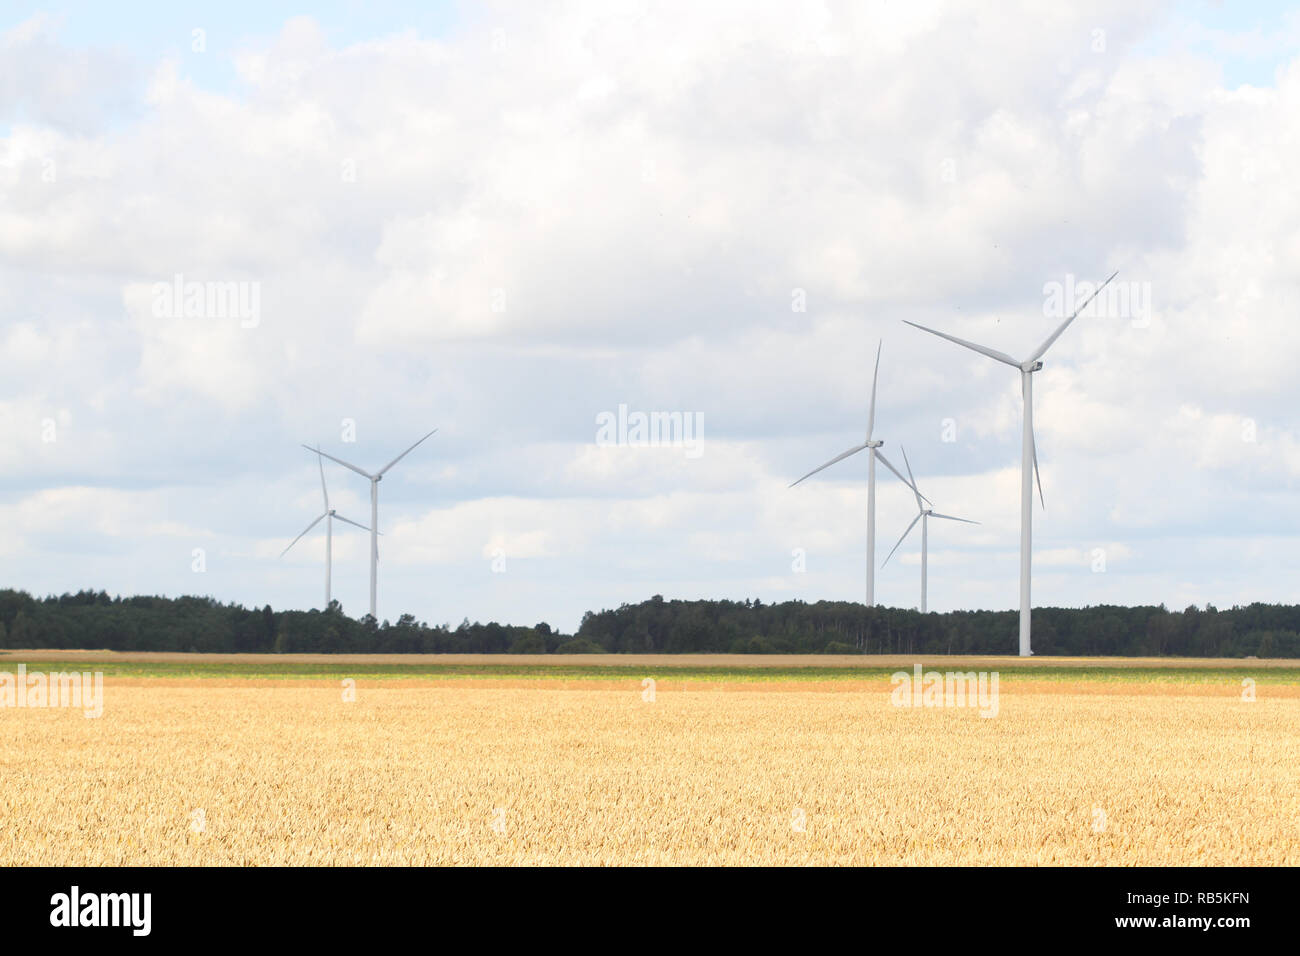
<point>504,221</point>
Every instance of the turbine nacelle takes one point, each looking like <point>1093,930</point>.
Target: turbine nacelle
<point>1032,365</point>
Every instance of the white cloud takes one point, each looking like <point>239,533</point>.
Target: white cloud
<point>508,229</point>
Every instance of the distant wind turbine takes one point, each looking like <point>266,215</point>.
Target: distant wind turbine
<point>873,446</point>
<point>374,508</point>
<point>923,515</point>
<point>1028,450</point>
<point>329,514</point>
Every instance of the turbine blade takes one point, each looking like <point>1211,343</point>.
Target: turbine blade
<point>1033,447</point>
<point>1061,328</point>
<point>1033,442</point>
<point>339,517</point>
<point>886,463</point>
<point>919,506</point>
<point>871,414</point>
<point>321,462</point>
<point>991,353</point>
<point>900,540</point>
<point>304,531</point>
<point>345,464</point>
<point>403,454</point>
<point>933,514</point>
<point>851,451</point>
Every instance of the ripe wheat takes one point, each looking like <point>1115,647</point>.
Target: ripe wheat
<point>211,774</point>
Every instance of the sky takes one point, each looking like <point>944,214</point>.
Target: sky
<point>508,221</point>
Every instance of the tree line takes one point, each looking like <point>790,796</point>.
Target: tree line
<point>837,627</point>
<point>93,620</point>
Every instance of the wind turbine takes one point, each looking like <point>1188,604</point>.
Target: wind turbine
<point>329,514</point>
<point>873,447</point>
<point>1028,450</point>
<point>923,515</point>
<point>374,508</point>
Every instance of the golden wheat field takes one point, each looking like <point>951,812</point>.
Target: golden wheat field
<point>273,772</point>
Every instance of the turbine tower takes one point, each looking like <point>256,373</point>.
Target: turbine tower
<point>1028,450</point>
<point>873,447</point>
<point>374,480</point>
<point>329,514</point>
<point>923,515</point>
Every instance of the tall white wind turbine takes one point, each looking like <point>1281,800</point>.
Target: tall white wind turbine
<point>1028,451</point>
<point>329,514</point>
<point>872,446</point>
<point>923,515</point>
<point>374,480</point>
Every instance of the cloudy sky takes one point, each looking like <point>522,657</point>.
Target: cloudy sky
<point>503,221</point>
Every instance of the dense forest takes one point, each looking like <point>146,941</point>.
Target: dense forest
<point>94,620</point>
